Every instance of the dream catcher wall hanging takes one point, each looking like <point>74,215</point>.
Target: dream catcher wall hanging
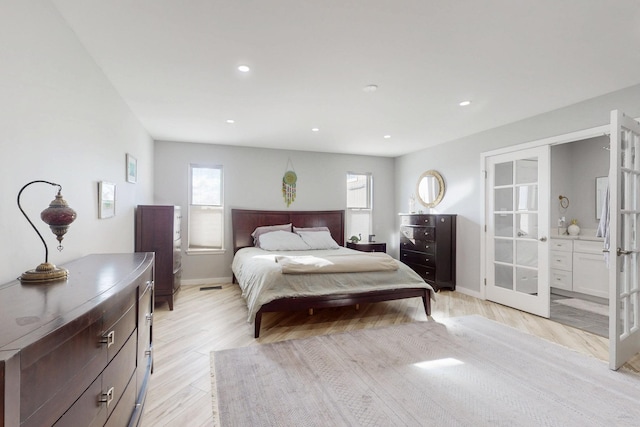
<point>289,184</point>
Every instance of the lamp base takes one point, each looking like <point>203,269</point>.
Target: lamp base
<point>45,272</point>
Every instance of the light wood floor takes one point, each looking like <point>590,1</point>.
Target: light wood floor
<point>203,321</point>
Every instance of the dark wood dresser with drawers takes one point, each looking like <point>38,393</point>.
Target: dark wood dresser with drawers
<point>78,352</point>
<point>158,231</point>
<point>428,246</point>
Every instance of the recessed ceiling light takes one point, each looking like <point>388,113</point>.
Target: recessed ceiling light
<point>464,103</point>
<point>244,68</point>
<point>231,121</point>
<point>370,88</point>
<point>315,130</point>
<point>387,136</point>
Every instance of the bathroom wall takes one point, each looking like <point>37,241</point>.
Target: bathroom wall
<point>574,168</point>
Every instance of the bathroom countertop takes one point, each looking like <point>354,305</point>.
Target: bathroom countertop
<point>587,234</point>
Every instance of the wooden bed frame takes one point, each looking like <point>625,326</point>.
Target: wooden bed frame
<point>245,221</point>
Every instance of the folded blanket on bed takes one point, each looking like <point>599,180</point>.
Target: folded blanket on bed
<point>351,263</point>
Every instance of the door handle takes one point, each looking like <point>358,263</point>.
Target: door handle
<point>543,239</point>
<point>620,251</point>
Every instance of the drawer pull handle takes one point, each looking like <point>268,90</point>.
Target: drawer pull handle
<point>426,259</point>
<point>109,339</point>
<point>107,397</point>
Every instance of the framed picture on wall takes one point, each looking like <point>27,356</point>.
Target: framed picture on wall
<point>132,169</point>
<point>106,199</point>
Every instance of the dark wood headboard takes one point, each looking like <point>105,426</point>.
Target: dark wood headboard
<point>244,221</point>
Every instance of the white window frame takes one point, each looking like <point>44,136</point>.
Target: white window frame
<point>201,209</point>
<point>367,209</point>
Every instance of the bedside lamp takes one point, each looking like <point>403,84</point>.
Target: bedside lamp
<point>58,216</point>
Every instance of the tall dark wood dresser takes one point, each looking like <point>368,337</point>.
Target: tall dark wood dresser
<point>158,230</point>
<point>78,351</point>
<point>428,246</point>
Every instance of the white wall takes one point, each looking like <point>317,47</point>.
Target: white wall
<point>459,163</point>
<point>253,179</point>
<point>61,121</point>
<point>574,168</point>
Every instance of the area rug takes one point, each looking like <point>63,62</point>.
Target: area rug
<point>581,304</point>
<point>465,371</point>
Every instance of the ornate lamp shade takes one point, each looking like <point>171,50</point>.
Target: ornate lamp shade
<point>58,216</point>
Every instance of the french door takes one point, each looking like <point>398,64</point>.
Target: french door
<point>517,224</point>
<point>624,239</point>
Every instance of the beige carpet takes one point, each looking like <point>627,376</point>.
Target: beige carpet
<point>466,371</point>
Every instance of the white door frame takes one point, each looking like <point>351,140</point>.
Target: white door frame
<point>554,140</point>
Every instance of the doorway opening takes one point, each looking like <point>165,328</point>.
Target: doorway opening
<point>579,274</point>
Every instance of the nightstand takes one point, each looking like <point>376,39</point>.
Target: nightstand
<point>368,246</point>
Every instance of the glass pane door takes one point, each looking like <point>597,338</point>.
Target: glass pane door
<point>624,287</point>
<point>517,248</point>
<point>516,219</point>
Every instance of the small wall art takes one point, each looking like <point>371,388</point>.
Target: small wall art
<point>106,199</point>
<point>132,169</point>
<point>289,184</point>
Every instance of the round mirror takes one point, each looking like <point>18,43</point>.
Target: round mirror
<point>430,188</point>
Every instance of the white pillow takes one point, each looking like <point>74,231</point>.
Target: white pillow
<point>266,229</point>
<point>318,239</point>
<point>296,229</point>
<point>282,241</point>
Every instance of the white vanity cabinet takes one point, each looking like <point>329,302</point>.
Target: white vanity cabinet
<point>561,264</point>
<point>590,275</point>
<point>579,266</point>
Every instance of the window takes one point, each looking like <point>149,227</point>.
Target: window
<point>359,190</point>
<point>206,209</point>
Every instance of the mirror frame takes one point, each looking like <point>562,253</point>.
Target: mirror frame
<point>440,195</point>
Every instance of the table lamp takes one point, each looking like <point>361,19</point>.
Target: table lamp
<point>58,216</point>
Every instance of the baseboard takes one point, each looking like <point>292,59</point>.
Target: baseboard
<point>469,292</point>
<point>571,294</point>
<point>205,281</point>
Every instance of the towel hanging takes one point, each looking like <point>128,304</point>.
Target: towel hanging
<point>603,225</point>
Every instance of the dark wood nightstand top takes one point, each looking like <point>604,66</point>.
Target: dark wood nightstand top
<point>368,246</point>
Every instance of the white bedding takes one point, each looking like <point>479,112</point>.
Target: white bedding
<point>336,263</point>
<point>262,281</point>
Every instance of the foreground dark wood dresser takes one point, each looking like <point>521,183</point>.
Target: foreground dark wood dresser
<point>78,352</point>
<point>428,246</point>
<point>158,230</point>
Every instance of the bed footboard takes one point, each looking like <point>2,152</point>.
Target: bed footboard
<point>341,300</point>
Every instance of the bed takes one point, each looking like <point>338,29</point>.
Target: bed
<point>266,289</point>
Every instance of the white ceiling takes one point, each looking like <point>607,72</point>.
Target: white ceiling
<point>174,63</point>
